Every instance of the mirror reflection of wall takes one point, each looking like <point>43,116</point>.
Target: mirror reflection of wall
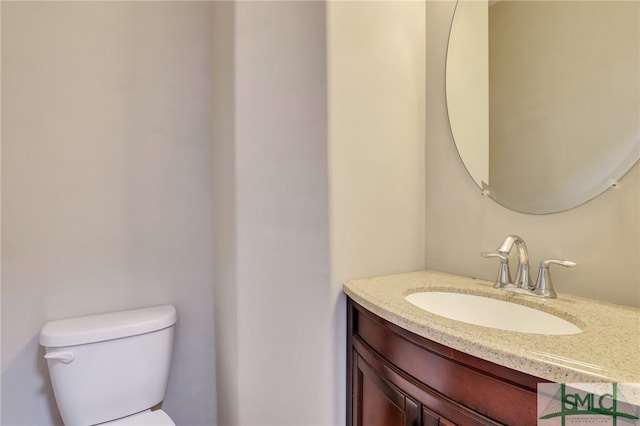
<point>564,98</point>
<point>471,42</point>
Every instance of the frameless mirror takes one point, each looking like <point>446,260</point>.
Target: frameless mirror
<point>544,98</point>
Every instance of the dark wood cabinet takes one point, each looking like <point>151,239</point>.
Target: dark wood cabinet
<point>398,378</point>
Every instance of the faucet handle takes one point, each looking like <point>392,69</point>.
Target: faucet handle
<point>565,263</point>
<point>544,286</point>
<point>504,276</point>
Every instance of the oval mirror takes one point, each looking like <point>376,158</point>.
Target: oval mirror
<point>544,98</point>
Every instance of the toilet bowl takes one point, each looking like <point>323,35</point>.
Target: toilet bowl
<point>111,368</point>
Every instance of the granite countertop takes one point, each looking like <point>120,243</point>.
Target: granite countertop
<point>607,350</point>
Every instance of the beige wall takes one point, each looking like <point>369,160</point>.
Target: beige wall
<point>224,213</point>
<point>106,188</point>
<point>273,307</point>
<point>376,146</point>
<point>603,236</point>
<point>376,93</point>
<point>286,314</point>
<point>282,276</point>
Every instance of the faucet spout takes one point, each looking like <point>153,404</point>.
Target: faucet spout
<point>523,277</point>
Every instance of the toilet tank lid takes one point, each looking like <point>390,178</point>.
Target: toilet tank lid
<point>115,325</point>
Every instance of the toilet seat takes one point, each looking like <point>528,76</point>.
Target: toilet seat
<point>146,418</point>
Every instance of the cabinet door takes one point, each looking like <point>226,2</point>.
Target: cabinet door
<point>377,402</point>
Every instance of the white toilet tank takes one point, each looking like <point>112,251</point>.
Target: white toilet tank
<point>104,367</point>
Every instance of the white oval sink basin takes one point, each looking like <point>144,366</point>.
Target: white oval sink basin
<point>493,313</point>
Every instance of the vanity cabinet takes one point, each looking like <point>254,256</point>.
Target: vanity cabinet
<point>396,377</point>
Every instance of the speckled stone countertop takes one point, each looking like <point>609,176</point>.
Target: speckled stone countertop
<point>607,350</point>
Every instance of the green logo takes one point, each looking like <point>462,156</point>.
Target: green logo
<point>569,402</point>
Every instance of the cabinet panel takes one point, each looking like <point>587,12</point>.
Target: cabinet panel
<point>429,418</point>
<point>380,403</point>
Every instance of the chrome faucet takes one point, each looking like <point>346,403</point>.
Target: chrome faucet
<point>523,277</point>
<point>522,283</point>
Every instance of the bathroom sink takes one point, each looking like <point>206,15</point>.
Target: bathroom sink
<point>492,313</point>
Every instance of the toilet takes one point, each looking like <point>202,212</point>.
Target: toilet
<point>111,369</point>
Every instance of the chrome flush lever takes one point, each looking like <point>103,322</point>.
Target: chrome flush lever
<point>544,286</point>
